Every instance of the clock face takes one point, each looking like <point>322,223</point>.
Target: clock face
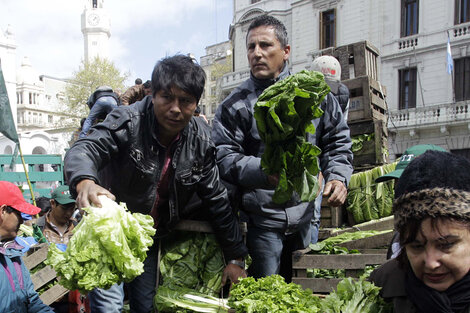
<point>93,19</point>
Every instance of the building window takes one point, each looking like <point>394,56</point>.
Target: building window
<point>409,17</point>
<point>462,152</point>
<point>462,11</point>
<point>328,29</point>
<point>49,119</point>
<point>462,78</point>
<point>407,85</point>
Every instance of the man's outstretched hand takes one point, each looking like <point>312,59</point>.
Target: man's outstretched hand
<point>88,192</point>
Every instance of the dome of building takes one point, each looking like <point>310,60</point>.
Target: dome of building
<point>27,74</point>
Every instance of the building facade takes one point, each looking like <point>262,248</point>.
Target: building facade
<point>425,103</point>
<point>216,63</point>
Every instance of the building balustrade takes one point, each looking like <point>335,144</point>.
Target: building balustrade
<point>446,114</point>
<point>461,30</point>
<point>408,42</point>
<point>234,79</point>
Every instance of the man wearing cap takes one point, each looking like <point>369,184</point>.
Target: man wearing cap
<point>331,69</point>
<point>16,289</point>
<point>57,224</point>
<point>410,154</point>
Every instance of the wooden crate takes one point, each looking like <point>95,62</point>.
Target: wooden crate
<point>367,99</point>
<point>36,257</point>
<point>374,152</point>
<point>356,59</point>
<point>331,217</point>
<point>353,264</point>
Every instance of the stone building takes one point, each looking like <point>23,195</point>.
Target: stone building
<point>216,63</point>
<point>426,104</point>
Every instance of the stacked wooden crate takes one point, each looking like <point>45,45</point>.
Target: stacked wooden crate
<point>367,106</point>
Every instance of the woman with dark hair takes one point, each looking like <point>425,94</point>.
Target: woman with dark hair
<point>432,216</point>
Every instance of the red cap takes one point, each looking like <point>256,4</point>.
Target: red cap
<point>11,195</point>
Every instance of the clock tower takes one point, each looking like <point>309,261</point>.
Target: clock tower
<point>96,30</point>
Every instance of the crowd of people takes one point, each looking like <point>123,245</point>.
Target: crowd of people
<point>154,153</point>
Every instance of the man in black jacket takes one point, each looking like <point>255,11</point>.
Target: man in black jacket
<point>157,158</point>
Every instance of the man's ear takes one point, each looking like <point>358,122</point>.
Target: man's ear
<point>2,210</point>
<point>286,52</point>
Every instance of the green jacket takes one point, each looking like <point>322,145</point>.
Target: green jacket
<point>391,278</point>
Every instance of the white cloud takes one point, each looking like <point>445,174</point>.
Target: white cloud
<point>142,31</point>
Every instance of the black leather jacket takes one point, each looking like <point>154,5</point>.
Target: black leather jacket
<point>122,154</point>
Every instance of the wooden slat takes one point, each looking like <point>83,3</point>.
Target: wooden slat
<point>372,251</point>
<point>53,294</point>
<point>197,226</point>
<point>317,285</point>
<point>33,159</point>
<point>339,261</point>
<point>37,257</point>
<point>377,241</point>
<point>43,276</point>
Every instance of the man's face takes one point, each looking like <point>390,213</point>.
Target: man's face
<point>265,54</point>
<point>62,212</point>
<point>9,223</point>
<point>173,109</point>
<point>147,91</point>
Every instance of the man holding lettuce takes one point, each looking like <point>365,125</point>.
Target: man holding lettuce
<point>157,158</point>
<point>274,230</point>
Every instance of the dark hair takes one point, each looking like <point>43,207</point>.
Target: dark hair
<point>279,28</point>
<point>432,169</point>
<point>10,210</point>
<point>138,81</point>
<point>178,71</point>
<point>147,84</point>
<point>44,204</point>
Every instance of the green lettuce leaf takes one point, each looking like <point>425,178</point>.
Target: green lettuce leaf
<point>284,114</point>
<point>108,246</point>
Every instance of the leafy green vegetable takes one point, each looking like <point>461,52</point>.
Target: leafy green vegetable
<point>108,246</point>
<point>180,299</point>
<point>194,261</point>
<point>25,231</point>
<point>271,294</point>
<point>354,296</point>
<point>330,245</point>
<point>368,200</point>
<point>284,114</point>
<point>358,141</point>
